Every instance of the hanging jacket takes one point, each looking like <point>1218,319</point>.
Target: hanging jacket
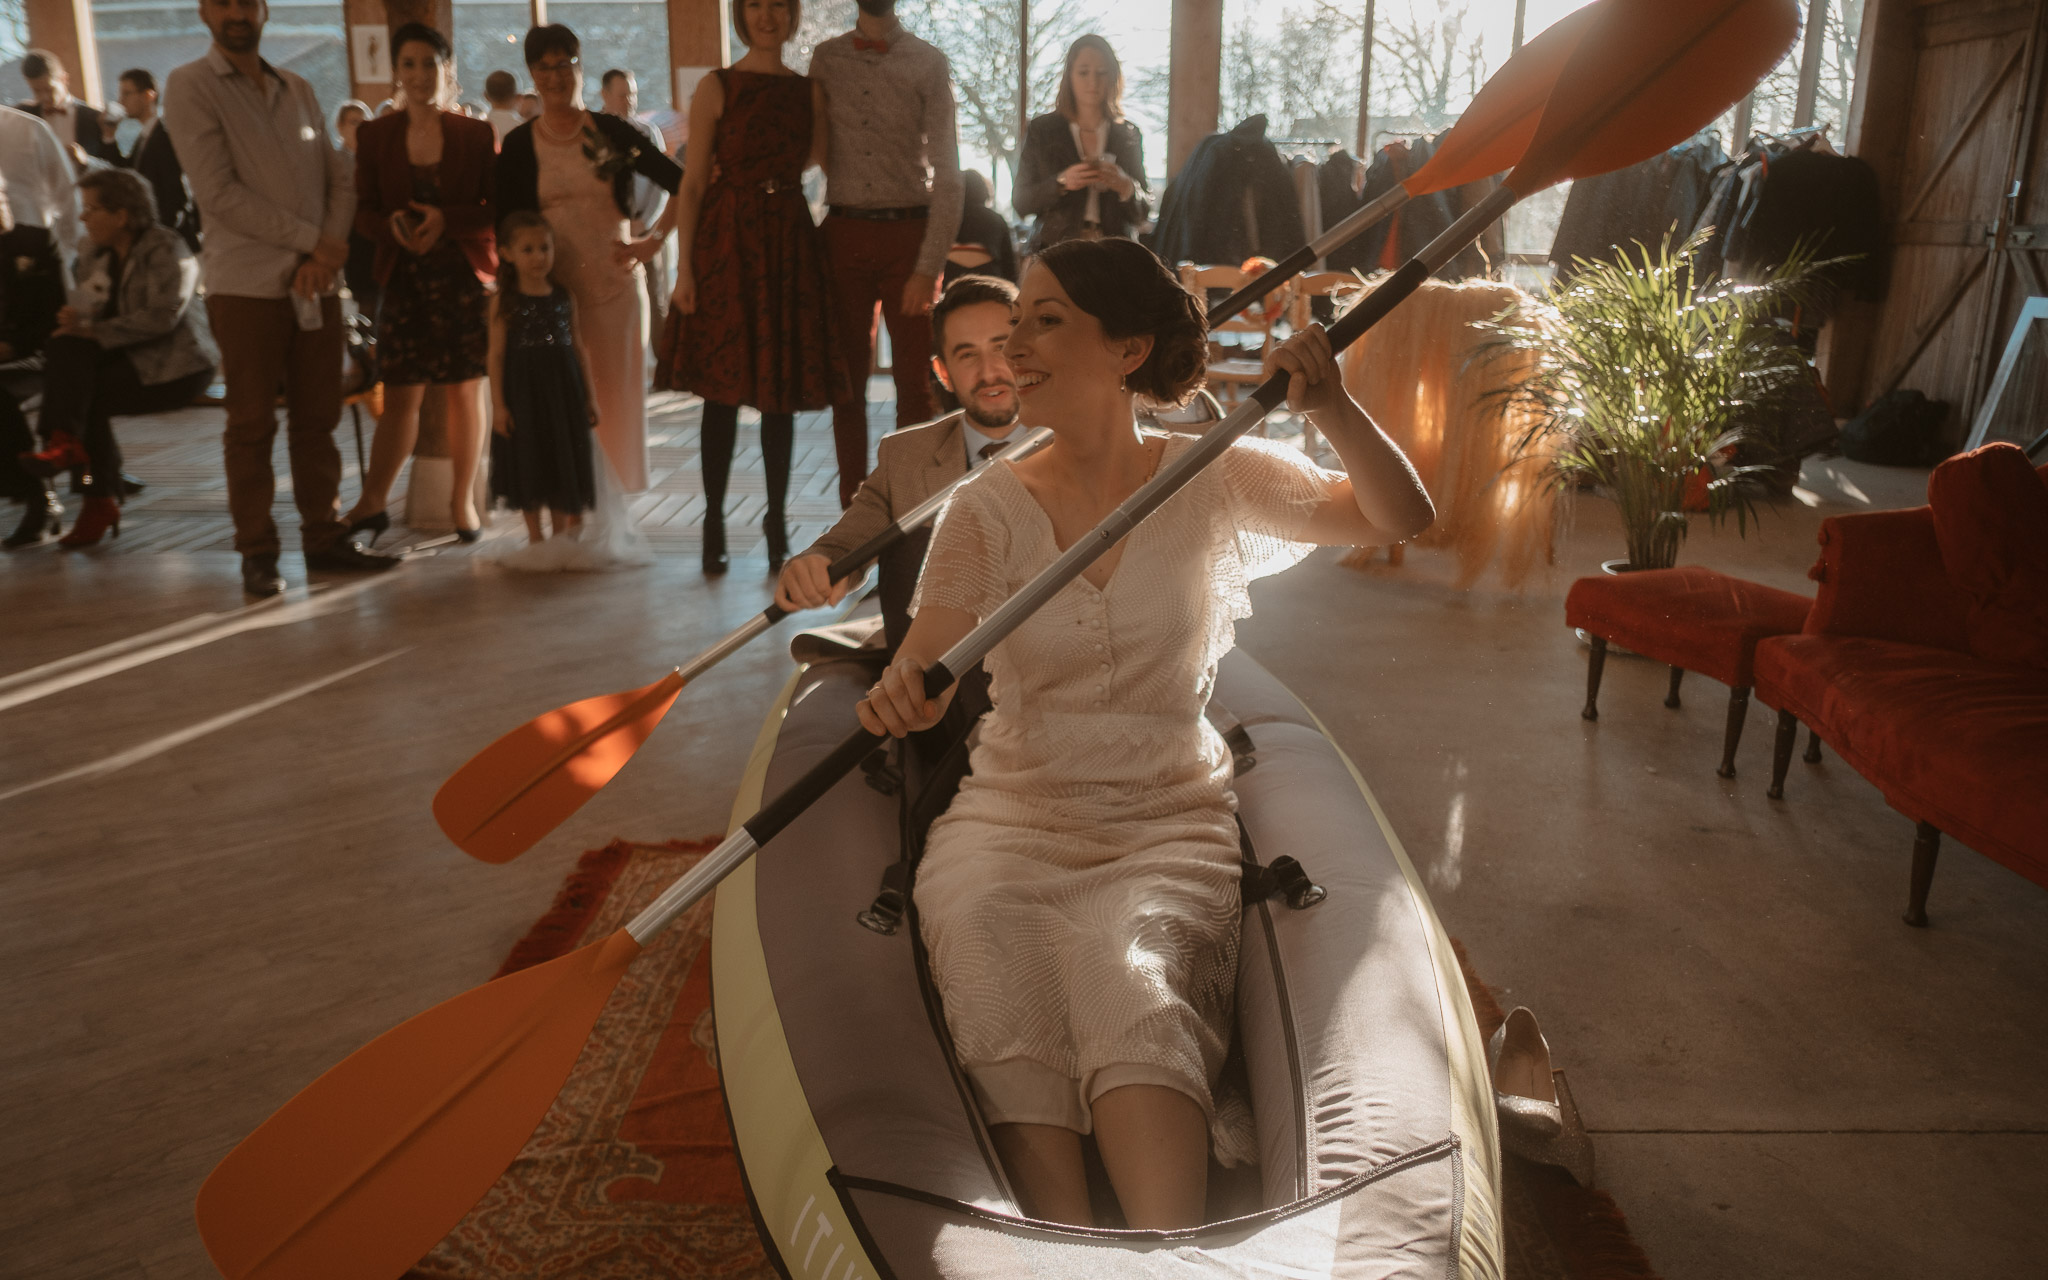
<point>1232,200</point>
<point>1829,203</point>
<point>1607,215</point>
<point>1423,218</point>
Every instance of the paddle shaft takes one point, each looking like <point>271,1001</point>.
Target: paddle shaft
<point>1371,214</point>
<point>1269,395</point>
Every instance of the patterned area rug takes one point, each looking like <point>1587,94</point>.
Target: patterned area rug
<point>631,1176</point>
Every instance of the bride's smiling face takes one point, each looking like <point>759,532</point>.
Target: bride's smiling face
<point>1064,363</point>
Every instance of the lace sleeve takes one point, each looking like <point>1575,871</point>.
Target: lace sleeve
<point>964,567</point>
<point>1273,490</point>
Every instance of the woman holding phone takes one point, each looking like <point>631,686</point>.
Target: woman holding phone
<point>423,196</point>
<point>1082,171</point>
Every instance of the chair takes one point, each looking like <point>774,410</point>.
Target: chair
<point>1251,365</point>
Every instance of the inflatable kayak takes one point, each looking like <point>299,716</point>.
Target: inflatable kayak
<point>858,1141</point>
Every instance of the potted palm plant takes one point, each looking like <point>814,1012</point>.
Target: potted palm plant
<point>1663,395</point>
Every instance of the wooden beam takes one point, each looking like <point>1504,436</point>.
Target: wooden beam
<point>1809,64</point>
<point>699,35</point>
<point>64,27</point>
<point>1194,78</point>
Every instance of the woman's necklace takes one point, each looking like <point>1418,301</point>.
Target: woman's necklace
<point>559,138</point>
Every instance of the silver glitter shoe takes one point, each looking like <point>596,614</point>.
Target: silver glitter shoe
<point>1523,1092</point>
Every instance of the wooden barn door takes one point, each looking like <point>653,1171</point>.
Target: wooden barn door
<point>1949,110</point>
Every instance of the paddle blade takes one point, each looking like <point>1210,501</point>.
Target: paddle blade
<point>1495,130</point>
<point>1646,76</point>
<point>528,782</point>
<point>372,1164</point>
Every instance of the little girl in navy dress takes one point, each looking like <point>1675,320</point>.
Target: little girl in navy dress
<point>542,409</point>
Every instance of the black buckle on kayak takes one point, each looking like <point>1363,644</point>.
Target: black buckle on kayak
<point>885,913</point>
<point>1286,877</point>
<point>884,774</point>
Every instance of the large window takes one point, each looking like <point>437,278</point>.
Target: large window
<point>156,35</point>
<point>490,35</point>
<point>630,36</point>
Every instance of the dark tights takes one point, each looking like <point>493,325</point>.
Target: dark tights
<point>721,428</point>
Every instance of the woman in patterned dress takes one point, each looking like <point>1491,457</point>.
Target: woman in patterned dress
<point>423,197</point>
<point>748,318</point>
<point>1079,900</point>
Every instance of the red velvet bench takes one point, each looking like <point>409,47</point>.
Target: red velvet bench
<point>1690,619</point>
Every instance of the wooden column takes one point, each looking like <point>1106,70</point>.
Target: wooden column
<point>699,35</point>
<point>1880,111</point>
<point>390,15</point>
<point>1195,78</point>
<point>64,27</point>
<point>1364,148</point>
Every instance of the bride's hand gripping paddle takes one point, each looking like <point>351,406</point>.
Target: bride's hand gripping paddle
<point>364,1171</point>
<point>528,782</point>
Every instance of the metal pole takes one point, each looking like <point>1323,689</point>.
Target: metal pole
<point>1809,64</point>
<point>1365,86</point>
<point>1521,20</point>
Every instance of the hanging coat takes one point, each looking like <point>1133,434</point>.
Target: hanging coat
<point>1232,200</point>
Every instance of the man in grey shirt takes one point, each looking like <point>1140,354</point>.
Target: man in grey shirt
<point>892,181</point>
<point>277,199</point>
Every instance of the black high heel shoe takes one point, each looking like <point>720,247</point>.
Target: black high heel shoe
<point>715,561</point>
<point>41,520</point>
<point>778,542</point>
<point>376,525</point>
<point>469,535</point>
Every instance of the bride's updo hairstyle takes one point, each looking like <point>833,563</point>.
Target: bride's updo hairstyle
<point>1132,294</point>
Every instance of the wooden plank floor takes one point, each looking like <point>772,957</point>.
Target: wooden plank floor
<point>219,873</point>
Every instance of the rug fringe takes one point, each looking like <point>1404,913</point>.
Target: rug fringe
<point>561,929</point>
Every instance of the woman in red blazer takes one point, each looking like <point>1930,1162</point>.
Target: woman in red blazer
<point>423,195</point>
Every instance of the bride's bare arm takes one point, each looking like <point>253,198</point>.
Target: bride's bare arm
<point>1381,500</point>
<point>897,705</point>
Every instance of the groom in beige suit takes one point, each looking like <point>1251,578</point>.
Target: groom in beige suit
<point>970,324</point>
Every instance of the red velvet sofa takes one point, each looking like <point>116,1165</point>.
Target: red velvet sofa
<point>1924,662</point>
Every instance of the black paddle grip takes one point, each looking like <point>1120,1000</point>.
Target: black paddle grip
<point>817,780</point>
<point>1374,306</point>
<point>1261,285</point>
<point>847,565</point>
<point>824,775</point>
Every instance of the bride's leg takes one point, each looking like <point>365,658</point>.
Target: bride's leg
<point>1044,1164</point>
<point>1155,1145</point>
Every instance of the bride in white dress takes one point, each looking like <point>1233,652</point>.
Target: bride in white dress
<point>1079,899</point>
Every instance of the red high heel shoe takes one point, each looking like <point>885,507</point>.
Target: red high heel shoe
<point>64,453</point>
<point>100,516</point>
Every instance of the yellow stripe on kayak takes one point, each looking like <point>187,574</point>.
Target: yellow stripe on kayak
<point>1472,1110</point>
<point>786,1157</point>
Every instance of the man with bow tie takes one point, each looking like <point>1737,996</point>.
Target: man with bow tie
<point>892,182</point>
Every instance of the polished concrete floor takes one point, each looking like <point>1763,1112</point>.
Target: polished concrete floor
<point>218,874</point>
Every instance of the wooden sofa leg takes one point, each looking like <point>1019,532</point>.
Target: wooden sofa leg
<point>1738,711</point>
<point>1671,698</point>
<point>1595,664</point>
<point>1812,755</point>
<point>1926,848</point>
<point>1781,754</point>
